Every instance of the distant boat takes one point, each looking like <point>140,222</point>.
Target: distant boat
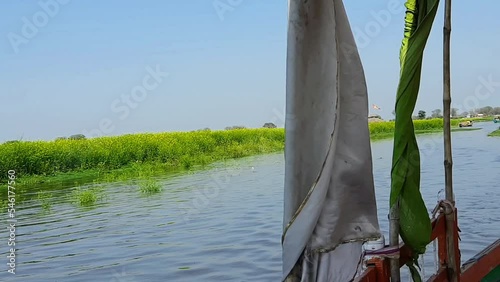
<point>465,123</point>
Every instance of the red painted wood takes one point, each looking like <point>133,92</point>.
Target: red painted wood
<point>486,263</point>
<point>440,276</point>
<point>369,275</point>
<point>379,270</point>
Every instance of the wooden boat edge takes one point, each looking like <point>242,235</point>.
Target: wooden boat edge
<point>475,269</point>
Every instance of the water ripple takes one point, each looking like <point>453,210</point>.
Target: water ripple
<point>225,224</point>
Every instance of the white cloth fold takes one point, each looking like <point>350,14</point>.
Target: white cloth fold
<point>330,206</point>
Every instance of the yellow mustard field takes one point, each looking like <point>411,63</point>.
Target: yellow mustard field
<point>175,149</point>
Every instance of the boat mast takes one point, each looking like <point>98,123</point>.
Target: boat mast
<point>448,162</point>
<point>453,264</point>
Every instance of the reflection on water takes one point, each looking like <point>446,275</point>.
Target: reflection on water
<point>224,224</point>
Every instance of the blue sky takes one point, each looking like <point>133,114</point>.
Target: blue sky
<point>225,67</point>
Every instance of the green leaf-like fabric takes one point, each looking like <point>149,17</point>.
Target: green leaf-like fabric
<point>415,225</point>
<point>414,272</point>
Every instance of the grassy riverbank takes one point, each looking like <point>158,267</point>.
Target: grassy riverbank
<point>171,150</point>
<point>384,130</point>
<point>142,155</point>
<point>495,133</point>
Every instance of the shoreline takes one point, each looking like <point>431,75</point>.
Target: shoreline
<point>233,144</point>
<point>495,133</point>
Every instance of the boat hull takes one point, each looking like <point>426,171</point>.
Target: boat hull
<point>484,267</point>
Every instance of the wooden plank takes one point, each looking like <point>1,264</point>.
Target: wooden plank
<point>480,265</point>
<point>440,276</point>
<point>473,270</point>
<point>369,275</point>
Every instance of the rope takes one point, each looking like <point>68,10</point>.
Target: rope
<point>387,252</point>
<point>439,207</point>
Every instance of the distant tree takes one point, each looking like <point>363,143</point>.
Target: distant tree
<point>204,129</point>
<point>496,111</point>
<point>61,138</point>
<point>436,113</point>
<point>77,137</point>
<point>421,114</point>
<point>11,141</point>
<point>269,125</point>
<point>454,112</point>
<point>235,127</point>
<point>487,111</point>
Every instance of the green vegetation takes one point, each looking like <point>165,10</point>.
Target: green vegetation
<point>44,198</point>
<point>384,130</point>
<point>495,133</point>
<point>465,129</point>
<point>477,119</point>
<point>150,187</point>
<point>179,149</point>
<point>108,159</point>
<point>3,205</point>
<point>87,197</point>
<point>422,114</point>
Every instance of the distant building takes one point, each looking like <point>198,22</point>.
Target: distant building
<point>375,118</point>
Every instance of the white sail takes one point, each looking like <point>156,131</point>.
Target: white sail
<point>330,207</point>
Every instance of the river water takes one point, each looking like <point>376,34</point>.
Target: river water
<point>224,223</point>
